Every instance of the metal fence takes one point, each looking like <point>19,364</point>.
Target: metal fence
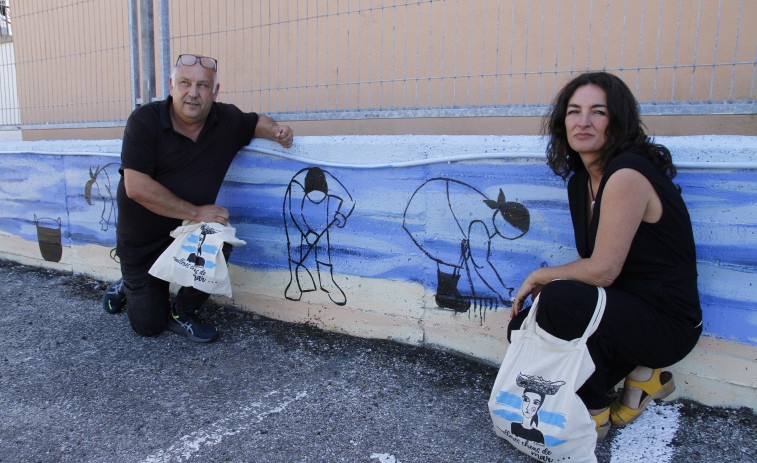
<point>77,61</point>
<point>8,95</point>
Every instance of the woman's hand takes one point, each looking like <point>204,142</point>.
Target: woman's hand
<point>531,286</point>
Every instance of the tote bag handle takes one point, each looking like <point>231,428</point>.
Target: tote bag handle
<point>599,311</point>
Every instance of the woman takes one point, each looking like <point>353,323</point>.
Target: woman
<point>633,236</point>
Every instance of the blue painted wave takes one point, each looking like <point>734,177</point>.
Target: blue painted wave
<point>80,191</point>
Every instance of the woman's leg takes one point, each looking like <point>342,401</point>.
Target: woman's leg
<point>631,334</point>
<point>632,395</point>
<point>565,310</point>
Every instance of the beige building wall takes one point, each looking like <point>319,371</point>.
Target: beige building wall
<point>393,67</point>
<point>72,61</point>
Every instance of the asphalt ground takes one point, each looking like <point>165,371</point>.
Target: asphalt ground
<point>78,385</point>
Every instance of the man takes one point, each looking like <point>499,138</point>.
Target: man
<point>174,158</point>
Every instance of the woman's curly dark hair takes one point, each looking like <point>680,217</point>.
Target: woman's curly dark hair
<point>625,132</point>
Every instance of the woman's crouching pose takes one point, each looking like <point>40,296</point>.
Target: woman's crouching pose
<point>634,238</point>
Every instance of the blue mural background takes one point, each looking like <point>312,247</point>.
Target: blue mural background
<point>373,244</point>
<point>31,185</point>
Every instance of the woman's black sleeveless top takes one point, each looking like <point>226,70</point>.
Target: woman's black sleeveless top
<point>661,264</point>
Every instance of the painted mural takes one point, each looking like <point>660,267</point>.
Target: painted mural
<point>465,243</point>
<point>58,200</point>
<point>314,202</point>
<point>465,212</point>
<point>49,238</point>
<point>467,231</point>
<point>99,189</point>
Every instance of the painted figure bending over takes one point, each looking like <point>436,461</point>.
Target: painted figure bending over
<point>315,201</point>
<point>634,238</point>
<point>174,158</point>
<point>472,220</point>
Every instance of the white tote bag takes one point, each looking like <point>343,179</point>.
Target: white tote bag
<point>534,404</point>
<point>195,257</point>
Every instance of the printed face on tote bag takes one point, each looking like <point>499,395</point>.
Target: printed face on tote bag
<point>535,391</point>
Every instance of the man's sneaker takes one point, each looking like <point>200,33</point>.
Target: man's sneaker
<point>191,326</point>
<point>114,298</point>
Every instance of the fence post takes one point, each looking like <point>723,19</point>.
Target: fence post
<point>148,50</point>
<point>134,53</point>
<point>164,46</point>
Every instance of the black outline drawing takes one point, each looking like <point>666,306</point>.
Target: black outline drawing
<point>536,386</point>
<point>49,238</point>
<point>476,232</point>
<point>106,196</point>
<point>314,201</point>
<point>196,257</point>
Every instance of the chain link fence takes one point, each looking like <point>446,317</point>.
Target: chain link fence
<point>75,62</point>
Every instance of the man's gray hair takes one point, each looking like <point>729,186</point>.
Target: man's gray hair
<point>173,74</point>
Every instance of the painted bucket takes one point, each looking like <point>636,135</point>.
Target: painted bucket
<point>49,238</point>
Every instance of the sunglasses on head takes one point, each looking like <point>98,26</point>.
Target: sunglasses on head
<point>205,61</point>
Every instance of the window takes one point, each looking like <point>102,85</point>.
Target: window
<point>5,22</point>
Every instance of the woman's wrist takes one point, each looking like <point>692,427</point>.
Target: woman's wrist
<point>540,276</point>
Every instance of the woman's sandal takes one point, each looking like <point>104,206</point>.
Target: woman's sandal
<point>602,423</point>
<point>659,386</point>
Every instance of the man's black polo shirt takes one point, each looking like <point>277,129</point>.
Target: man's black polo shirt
<point>193,171</point>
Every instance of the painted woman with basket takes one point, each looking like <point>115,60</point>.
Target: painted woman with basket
<point>634,239</point>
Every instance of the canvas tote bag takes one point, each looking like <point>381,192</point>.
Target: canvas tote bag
<point>534,404</point>
<point>195,257</point>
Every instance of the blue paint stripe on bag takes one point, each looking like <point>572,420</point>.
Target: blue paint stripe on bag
<point>550,441</point>
<point>508,415</point>
<point>511,400</point>
<point>552,418</point>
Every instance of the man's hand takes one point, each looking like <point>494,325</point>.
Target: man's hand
<point>283,135</point>
<point>212,213</point>
<point>268,128</point>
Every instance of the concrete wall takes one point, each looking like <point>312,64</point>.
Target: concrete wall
<point>385,230</point>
